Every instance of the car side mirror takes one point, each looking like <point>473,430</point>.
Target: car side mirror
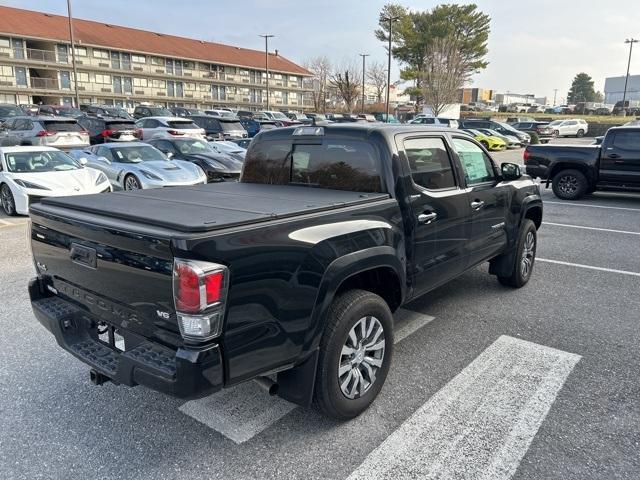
<point>510,171</point>
<point>105,160</point>
<point>83,161</point>
<point>169,155</point>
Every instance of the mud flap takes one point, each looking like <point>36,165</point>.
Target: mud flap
<point>296,384</point>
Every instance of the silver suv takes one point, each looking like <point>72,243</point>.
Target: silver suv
<point>60,132</point>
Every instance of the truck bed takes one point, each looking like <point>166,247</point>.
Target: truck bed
<point>210,207</point>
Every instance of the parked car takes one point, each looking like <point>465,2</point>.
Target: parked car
<point>382,117</point>
<point>45,111</point>
<point>105,130</point>
<point>251,126</point>
<point>225,128</point>
<point>106,111</point>
<point>500,127</point>
<point>434,121</point>
<point>67,111</point>
<point>542,129</point>
<point>137,165</point>
<point>185,112</point>
<point>244,114</point>
<point>510,140</point>
<point>9,110</point>
<point>169,127</point>
<point>60,132</point>
<point>494,144</point>
<point>606,110</point>
<point>296,269</point>
<point>242,142</point>
<point>564,128</point>
<point>142,111</point>
<point>29,174</point>
<point>576,170</point>
<point>631,107</point>
<point>30,108</point>
<point>300,117</point>
<point>218,167</point>
<point>512,120</point>
<point>279,117</point>
<point>367,117</point>
<point>229,148</point>
<point>219,113</point>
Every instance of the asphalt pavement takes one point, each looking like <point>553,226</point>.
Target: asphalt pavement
<point>536,383</point>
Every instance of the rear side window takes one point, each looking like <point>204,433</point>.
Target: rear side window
<point>120,125</point>
<point>62,127</point>
<point>182,125</point>
<point>429,163</point>
<point>336,164</point>
<point>627,140</point>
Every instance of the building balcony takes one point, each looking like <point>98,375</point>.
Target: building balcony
<point>43,83</point>
<point>35,55</point>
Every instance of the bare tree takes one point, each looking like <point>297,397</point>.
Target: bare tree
<point>377,75</point>
<point>346,80</point>
<point>320,67</point>
<point>445,73</point>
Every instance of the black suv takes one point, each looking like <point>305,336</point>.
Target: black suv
<point>103,130</point>
<point>220,128</point>
<point>542,129</point>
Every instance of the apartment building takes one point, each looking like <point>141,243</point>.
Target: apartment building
<point>125,67</point>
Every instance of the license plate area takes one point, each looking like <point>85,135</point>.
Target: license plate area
<point>109,335</point>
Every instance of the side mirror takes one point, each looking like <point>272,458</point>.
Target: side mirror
<point>510,171</point>
<point>105,160</point>
<point>83,161</point>
<point>169,155</point>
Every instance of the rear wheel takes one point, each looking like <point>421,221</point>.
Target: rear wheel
<point>569,184</point>
<point>580,133</point>
<point>7,200</point>
<point>131,183</point>
<point>524,258</point>
<point>485,144</point>
<point>355,354</point>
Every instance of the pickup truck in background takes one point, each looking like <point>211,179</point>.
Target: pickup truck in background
<point>289,276</point>
<point>576,170</point>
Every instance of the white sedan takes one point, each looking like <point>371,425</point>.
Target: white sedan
<point>27,174</point>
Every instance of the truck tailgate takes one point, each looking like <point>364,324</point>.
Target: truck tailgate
<point>121,277</point>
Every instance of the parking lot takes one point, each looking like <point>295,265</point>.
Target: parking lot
<point>534,383</point>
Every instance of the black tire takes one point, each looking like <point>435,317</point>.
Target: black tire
<point>347,311</point>
<point>525,256</point>
<point>580,133</point>
<point>569,184</point>
<point>129,181</point>
<point>485,144</point>
<point>7,200</point>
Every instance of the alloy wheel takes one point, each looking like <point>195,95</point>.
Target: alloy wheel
<point>568,184</point>
<point>361,357</point>
<point>528,254</point>
<point>6,198</point>
<point>131,183</point>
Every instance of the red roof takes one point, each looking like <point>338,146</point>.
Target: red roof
<point>27,23</point>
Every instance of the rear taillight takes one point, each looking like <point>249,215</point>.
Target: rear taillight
<point>138,132</point>
<point>175,132</point>
<point>84,132</point>
<point>199,293</point>
<point>526,155</point>
<point>44,133</point>
<point>107,133</point>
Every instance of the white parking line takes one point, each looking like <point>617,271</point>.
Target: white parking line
<point>590,267</point>
<point>591,205</point>
<point>4,222</point>
<point>481,423</point>
<point>242,412</point>
<point>591,228</point>
<point>408,322</point>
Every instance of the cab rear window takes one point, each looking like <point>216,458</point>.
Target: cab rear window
<point>337,164</point>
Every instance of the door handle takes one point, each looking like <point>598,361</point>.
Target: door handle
<point>477,205</point>
<point>613,155</point>
<point>427,217</point>
<point>618,162</point>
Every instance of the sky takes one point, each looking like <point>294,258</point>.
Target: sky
<point>535,46</point>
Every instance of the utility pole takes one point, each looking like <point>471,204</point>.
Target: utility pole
<point>390,20</point>
<point>266,61</point>
<point>555,92</point>
<point>363,55</point>
<point>73,54</point>
<point>630,41</point>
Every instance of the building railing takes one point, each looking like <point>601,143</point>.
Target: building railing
<point>36,55</point>
<point>43,83</point>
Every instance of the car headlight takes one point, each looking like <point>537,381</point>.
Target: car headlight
<point>25,184</point>
<point>101,179</point>
<point>149,175</point>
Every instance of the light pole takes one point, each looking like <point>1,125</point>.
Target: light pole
<point>390,20</point>
<point>73,54</point>
<point>630,41</point>
<point>266,61</point>
<point>363,55</point>
<point>555,92</point>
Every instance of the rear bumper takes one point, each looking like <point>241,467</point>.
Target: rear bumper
<point>184,373</point>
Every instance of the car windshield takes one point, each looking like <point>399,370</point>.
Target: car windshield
<point>118,112</point>
<point>10,111</point>
<point>319,116</point>
<point>231,126</point>
<point>35,162</point>
<point>137,154</point>
<point>71,111</point>
<point>508,127</point>
<point>226,147</point>
<point>180,125</point>
<point>279,116</point>
<point>190,147</point>
<point>160,112</point>
<point>62,126</point>
<point>120,125</point>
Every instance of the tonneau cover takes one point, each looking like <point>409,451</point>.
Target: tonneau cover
<point>213,206</point>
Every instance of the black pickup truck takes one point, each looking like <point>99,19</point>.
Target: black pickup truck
<point>576,170</point>
<point>289,276</point>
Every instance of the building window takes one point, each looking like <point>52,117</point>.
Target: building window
<point>6,71</point>
<point>189,65</point>
<point>115,60</point>
<point>127,83</point>
<point>18,48</point>
<point>63,53</point>
<point>126,61</point>
<point>83,77</point>
<point>158,84</point>
<point>117,84</point>
<point>138,59</point>
<point>65,80</point>
<point>81,51</point>
<point>169,66</point>
<point>140,82</point>
<point>100,54</point>
<point>179,89</point>
<point>4,42</point>
<point>103,79</point>
<point>21,76</point>
<point>178,65</point>
<point>190,86</point>
<point>156,61</point>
